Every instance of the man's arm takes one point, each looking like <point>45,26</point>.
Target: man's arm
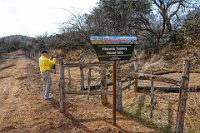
<point>52,62</point>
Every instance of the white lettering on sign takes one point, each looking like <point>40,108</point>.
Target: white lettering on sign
<point>120,52</point>
<point>110,52</point>
<point>122,48</point>
<point>108,49</point>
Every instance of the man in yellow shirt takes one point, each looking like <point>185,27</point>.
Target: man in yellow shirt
<point>45,65</point>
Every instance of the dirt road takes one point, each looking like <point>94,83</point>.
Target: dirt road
<point>23,110</point>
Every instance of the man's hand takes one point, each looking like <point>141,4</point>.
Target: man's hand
<point>51,58</point>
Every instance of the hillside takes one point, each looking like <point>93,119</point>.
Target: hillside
<point>14,42</point>
<point>170,59</point>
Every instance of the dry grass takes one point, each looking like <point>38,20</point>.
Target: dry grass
<point>154,64</point>
<point>138,107</point>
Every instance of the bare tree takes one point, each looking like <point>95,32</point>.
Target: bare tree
<point>77,23</point>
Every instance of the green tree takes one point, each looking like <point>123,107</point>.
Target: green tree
<point>191,24</point>
<point>115,17</point>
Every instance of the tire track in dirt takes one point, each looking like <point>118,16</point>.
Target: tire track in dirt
<point>8,88</point>
<point>15,109</point>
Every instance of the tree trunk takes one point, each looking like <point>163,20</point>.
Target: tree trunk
<point>157,48</point>
<point>169,26</point>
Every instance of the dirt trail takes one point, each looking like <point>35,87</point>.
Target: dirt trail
<point>22,108</point>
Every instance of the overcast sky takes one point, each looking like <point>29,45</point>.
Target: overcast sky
<point>35,17</point>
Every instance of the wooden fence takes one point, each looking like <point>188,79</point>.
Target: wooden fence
<point>130,76</point>
<point>34,55</point>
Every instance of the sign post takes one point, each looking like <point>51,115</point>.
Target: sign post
<point>114,92</point>
<point>113,48</point>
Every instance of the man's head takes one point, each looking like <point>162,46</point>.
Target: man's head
<point>45,53</point>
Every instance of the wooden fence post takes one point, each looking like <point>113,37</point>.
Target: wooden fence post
<point>131,68</point>
<point>183,97</point>
<point>62,87</point>
<point>104,86</point>
<point>89,80</point>
<point>34,56</point>
<point>29,54</point>
<point>129,81</point>
<point>152,97</point>
<point>136,70</point>
<point>81,61</point>
<point>69,80</point>
<point>119,89</point>
<point>25,52</point>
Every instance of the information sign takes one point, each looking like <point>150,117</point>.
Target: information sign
<point>109,48</point>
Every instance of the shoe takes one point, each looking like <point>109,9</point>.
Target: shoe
<point>49,97</point>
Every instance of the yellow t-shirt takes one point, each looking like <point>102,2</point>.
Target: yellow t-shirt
<point>45,64</point>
